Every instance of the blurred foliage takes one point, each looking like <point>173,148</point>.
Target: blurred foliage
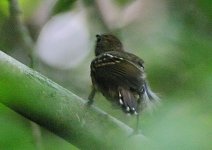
<point>62,6</point>
<point>195,14</point>
<point>16,134</point>
<point>175,42</point>
<point>3,9</point>
<point>122,2</point>
<point>28,9</point>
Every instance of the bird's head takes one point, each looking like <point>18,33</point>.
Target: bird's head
<point>107,42</point>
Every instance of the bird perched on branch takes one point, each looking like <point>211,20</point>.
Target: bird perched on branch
<point>119,76</point>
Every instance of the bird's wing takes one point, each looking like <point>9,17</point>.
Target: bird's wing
<point>119,68</point>
<point>135,59</point>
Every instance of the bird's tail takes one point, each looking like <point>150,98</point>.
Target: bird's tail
<point>128,101</point>
<point>149,98</point>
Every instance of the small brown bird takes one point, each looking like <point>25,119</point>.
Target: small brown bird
<point>119,76</point>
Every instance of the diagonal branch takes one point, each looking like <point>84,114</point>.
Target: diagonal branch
<point>60,111</point>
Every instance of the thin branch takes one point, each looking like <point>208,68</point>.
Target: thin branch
<point>23,33</point>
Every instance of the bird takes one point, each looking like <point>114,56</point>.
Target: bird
<point>120,76</point>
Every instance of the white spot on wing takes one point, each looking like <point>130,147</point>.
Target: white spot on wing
<point>109,55</point>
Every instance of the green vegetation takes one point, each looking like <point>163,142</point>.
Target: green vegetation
<point>174,39</point>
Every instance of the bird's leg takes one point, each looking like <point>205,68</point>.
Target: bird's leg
<point>139,111</point>
<point>91,96</point>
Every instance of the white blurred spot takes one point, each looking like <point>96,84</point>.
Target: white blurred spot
<point>121,102</point>
<point>64,40</point>
<point>127,108</point>
<point>135,113</point>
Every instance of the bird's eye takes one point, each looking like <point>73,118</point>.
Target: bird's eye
<point>98,37</point>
